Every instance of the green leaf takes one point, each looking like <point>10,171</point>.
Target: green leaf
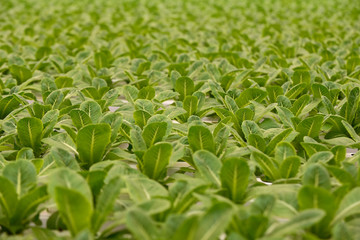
<point>250,127</point>
<point>190,105</point>
<point>351,64</point>
<point>187,228</point>
<point>301,76</point>
<point>43,233</point>
<point>317,197</point>
<point>274,92</point>
<point>184,86</point>
<point>79,118</point>
<point>208,165</point>
<point>234,177</point>
<point>329,107</point>
<point>92,109</point>
<point>324,157</point>
<point>349,109</point>
<point>316,175</point>
<point>115,120</point>
<point>156,159</point>
<point>218,217</point>
<point>138,142</point>
<point>155,206</point>
<point>21,73</point>
<point>249,94</point>
<point>182,194</point>
<point>302,220</point>
<point>349,205</point>
<point>296,90</point>
<point>231,104</point>
<point>146,93</point>
<point>141,225</point>
<point>63,82</point>
<point>221,140</point>
<point>91,92</point>
<point>342,175</point>
<point>284,150</point>
<point>74,209</point>
<point>30,133</point>
<point>300,104</point>
<point>22,174</point>
<point>313,147</point>
<point>282,136</point>
<point>256,141</point>
<point>339,153</point>
<point>154,132</point>
<point>285,116</point>
<point>131,93</point>
<point>102,59</point>
<point>142,189</point>
<point>340,231</point>
<point>200,138</point>
<point>8,196</point>
<point>25,153</point>
<point>290,166</point>
<point>55,98</point>
<point>162,118</point>
<point>92,141</point>
<point>310,197</point>
<point>243,114</point>
<point>141,117</point>
<point>66,178</point>
<point>49,120</point>
<point>266,164</point>
<point>310,126</point>
<point>351,131</point>
<point>105,202</point>
<point>28,205</point>
<point>7,105</point>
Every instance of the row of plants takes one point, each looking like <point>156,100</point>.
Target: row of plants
<point>179,120</point>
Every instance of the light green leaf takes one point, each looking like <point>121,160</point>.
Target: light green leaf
<point>316,175</point>
<point>184,86</point>
<point>200,138</point>
<point>142,188</point>
<point>66,178</point>
<point>290,166</point>
<point>234,176</point>
<point>349,205</point>
<point>154,132</point>
<point>218,217</point>
<point>8,196</point>
<point>284,150</point>
<point>351,131</point>
<point>310,126</point>
<point>266,164</point>
<point>74,208</point>
<point>208,165</point>
<point>7,105</point>
<point>92,141</point>
<point>79,118</point>
<point>21,73</point>
<point>30,133</point>
<point>92,109</point>
<point>249,94</point>
<point>156,159</point>
<point>141,225</point>
<point>105,202</point>
<point>302,220</point>
<point>22,174</point>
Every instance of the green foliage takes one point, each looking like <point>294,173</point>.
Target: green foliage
<point>179,119</point>
<point>92,141</point>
